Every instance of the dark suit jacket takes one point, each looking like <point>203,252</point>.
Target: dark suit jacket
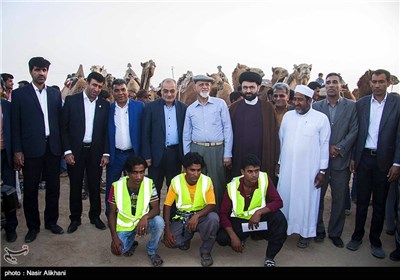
<point>6,110</point>
<point>388,150</point>
<point>343,130</point>
<point>153,134</point>
<point>27,120</point>
<point>73,127</point>
<point>135,112</point>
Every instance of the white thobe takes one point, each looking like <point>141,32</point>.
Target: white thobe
<point>304,151</point>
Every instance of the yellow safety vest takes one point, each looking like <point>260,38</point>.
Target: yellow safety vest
<point>257,201</point>
<point>125,220</point>
<point>183,201</point>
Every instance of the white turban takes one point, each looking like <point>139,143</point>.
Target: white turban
<point>303,89</point>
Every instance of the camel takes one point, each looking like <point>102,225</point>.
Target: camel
<point>222,74</point>
<point>147,72</point>
<point>74,83</point>
<point>345,92</point>
<point>99,69</point>
<point>239,69</point>
<point>183,83</point>
<point>278,75</point>
<point>300,76</point>
<point>220,88</point>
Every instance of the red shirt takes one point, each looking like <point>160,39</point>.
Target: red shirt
<point>273,200</point>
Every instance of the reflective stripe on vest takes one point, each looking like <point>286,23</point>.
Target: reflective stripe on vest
<point>125,220</point>
<point>183,201</point>
<point>256,202</point>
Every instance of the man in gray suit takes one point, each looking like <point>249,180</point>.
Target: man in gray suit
<point>376,158</point>
<point>342,116</point>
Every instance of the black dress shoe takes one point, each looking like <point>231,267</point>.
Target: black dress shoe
<point>11,236</point>
<point>73,226</point>
<point>31,235</point>
<point>98,223</point>
<point>395,255</point>
<point>56,229</point>
<point>337,241</point>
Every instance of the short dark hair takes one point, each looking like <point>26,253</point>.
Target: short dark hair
<point>132,161</point>
<point>141,93</point>
<point>56,87</point>
<point>118,82</point>
<point>380,72</point>
<point>6,76</point>
<point>104,94</point>
<point>335,74</point>
<point>193,158</point>
<point>96,76</point>
<point>39,62</point>
<point>250,160</point>
<point>23,82</point>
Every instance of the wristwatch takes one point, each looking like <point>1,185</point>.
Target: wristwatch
<point>322,172</point>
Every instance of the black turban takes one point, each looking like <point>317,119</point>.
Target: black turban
<point>248,76</point>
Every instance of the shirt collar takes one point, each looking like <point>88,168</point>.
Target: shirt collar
<point>252,102</point>
<point>37,89</point>
<point>373,99</point>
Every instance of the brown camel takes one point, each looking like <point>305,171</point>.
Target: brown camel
<point>239,69</point>
<point>74,83</point>
<point>220,88</point>
<point>363,84</point>
<point>147,72</point>
<point>300,76</point>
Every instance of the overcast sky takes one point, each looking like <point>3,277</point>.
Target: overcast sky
<point>348,37</point>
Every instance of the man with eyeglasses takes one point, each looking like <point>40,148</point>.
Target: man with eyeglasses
<point>208,131</point>
<point>162,135</point>
<point>124,128</point>
<point>255,127</point>
<point>280,99</point>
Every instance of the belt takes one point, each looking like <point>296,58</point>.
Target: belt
<point>123,151</point>
<point>370,152</point>
<point>209,144</point>
<point>172,146</point>
<point>87,145</point>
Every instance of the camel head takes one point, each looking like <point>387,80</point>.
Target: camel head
<point>278,74</point>
<point>99,69</point>
<point>217,85</point>
<point>394,80</point>
<point>302,73</point>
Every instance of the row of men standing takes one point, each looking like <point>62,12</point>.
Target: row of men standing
<point>94,137</point>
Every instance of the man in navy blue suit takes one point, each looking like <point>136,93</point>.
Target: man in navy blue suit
<point>85,143</point>
<point>124,128</point>
<point>7,171</point>
<point>376,158</point>
<point>162,135</point>
<point>35,119</point>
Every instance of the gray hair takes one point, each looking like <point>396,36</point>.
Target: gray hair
<point>284,86</point>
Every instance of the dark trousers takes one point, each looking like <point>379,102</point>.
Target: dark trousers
<point>114,172</point>
<point>370,180</point>
<point>75,174</point>
<point>276,233</point>
<point>169,167</point>
<point>8,178</point>
<point>32,170</point>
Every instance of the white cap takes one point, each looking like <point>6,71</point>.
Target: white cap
<point>305,90</point>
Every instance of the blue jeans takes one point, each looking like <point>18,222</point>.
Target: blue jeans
<point>156,230</point>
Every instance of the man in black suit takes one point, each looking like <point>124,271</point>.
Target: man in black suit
<point>85,143</point>
<point>7,171</point>
<point>376,158</point>
<point>35,119</point>
<point>162,135</point>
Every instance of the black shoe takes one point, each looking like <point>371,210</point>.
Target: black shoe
<point>320,237</point>
<point>31,235</point>
<point>98,223</point>
<point>11,236</point>
<point>56,229</point>
<point>395,255</point>
<point>390,232</point>
<point>337,241</point>
<point>73,226</point>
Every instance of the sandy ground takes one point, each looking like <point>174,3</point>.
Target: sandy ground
<point>88,247</point>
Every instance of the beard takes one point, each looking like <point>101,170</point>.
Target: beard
<point>204,94</point>
<point>249,96</point>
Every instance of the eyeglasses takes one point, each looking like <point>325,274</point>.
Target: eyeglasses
<point>279,95</point>
<point>166,91</point>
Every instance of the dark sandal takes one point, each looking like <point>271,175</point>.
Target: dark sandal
<point>185,246</point>
<point>303,242</point>
<point>156,260</point>
<point>269,263</point>
<point>132,249</point>
<point>206,260</point>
